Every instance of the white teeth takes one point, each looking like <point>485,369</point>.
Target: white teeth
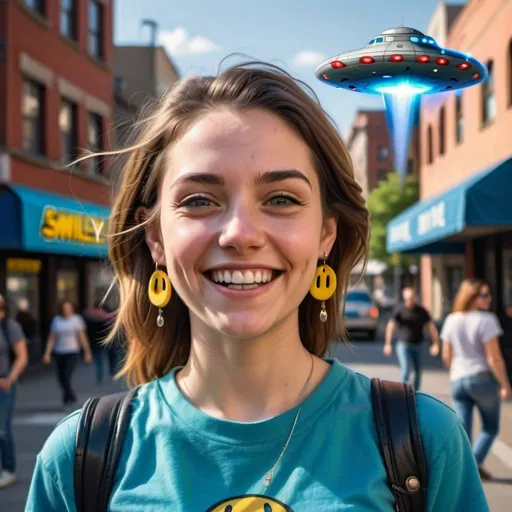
<point>237,277</point>
<point>242,277</point>
<point>248,277</point>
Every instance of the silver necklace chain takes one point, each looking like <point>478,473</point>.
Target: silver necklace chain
<point>270,474</point>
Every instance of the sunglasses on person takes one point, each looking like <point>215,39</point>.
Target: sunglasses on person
<point>484,295</point>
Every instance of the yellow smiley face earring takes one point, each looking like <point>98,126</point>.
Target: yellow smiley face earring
<point>323,286</point>
<point>159,291</point>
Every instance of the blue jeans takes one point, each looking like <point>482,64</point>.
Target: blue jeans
<point>480,390</point>
<point>7,449</point>
<point>410,355</point>
<point>112,355</point>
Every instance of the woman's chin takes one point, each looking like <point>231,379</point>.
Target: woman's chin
<point>242,325</point>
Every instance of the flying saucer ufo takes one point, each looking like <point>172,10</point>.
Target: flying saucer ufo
<point>402,61</point>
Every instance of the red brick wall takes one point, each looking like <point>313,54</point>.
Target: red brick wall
<point>70,61</point>
<point>378,135</point>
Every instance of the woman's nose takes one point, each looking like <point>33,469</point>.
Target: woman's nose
<point>242,230</point>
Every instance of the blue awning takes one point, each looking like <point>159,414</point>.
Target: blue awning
<point>37,221</point>
<point>484,200</point>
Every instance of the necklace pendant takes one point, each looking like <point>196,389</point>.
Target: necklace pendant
<point>268,479</point>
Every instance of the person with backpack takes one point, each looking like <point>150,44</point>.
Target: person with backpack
<point>13,360</point>
<point>236,226</point>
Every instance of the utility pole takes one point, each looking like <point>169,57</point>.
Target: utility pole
<point>153,26</point>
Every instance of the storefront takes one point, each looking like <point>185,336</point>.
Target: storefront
<point>465,231</point>
<point>52,248</point>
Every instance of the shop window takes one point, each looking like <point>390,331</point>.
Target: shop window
<point>36,5</point>
<point>489,96</point>
<point>442,121</point>
<point>459,119</point>
<point>68,18</point>
<point>95,142</point>
<point>382,153</point>
<point>32,109</point>
<point>67,286</point>
<point>430,145</point>
<point>68,130</point>
<point>22,295</point>
<point>507,282</point>
<point>100,277</point>
<point>454,277</point>
<point>95,35</point>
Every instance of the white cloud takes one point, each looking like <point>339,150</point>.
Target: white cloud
<point>178,42</point>
<point>308,58</point>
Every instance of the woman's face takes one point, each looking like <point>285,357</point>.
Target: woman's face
<point>67,309</point>
<point>484,298</point>
<point>241,222</point>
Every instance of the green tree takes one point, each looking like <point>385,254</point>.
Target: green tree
<point>385,202</point>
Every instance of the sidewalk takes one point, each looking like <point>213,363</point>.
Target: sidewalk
<point>369,360</point>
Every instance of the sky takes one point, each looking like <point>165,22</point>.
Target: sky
<point>294,34</point>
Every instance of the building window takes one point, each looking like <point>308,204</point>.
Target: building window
<point>94,28</point>
<point>67,18</point>
<point>488,97</point>
<point>95,142</point>
<point>68,130</point>
<point>32,110</point>
<point>36,5</point>
<point>410,166</point>
<point>382,175</point>
<point>442,120</point>
<point>459,119</point>
<point>430,145</point>
<point>382,153</point>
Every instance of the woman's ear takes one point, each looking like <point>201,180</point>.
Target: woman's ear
<point>329,234</point>
<point>153,237</point>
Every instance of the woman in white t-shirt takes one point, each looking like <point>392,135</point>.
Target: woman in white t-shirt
<point>67,337</point>
<point>471,352</point>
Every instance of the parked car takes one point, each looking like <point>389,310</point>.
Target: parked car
<point>361,314</point>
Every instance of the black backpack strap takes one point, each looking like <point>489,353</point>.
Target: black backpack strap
<point>101,428</point>
<point>394,407</point>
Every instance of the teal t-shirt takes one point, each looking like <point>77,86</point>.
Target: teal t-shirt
<point>175,457</point>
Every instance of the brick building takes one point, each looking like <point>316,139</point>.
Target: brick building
<point>56,96</point>
<point>370,148</point>
<point>463,224</point>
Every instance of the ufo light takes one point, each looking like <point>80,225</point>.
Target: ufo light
<point>366,60</point>
<point>429,69</point>
<point>403,89</point>
<point>337,64</point>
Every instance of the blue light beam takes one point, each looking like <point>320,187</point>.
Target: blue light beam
<point>401,113</point>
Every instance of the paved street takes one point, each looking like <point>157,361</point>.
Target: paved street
<point>38,411</point>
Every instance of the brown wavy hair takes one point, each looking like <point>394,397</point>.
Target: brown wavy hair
<point>468,292</point>
<point>153,351</point>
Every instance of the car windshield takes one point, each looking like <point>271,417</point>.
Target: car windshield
<point>359,296</point>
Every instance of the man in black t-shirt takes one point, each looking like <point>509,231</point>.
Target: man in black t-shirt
<point>409,321</point>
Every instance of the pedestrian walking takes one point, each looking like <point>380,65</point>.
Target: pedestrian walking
<point>408,322</point>
<point>98,321</point>
<point>471,351</point>
<point>66,339</point>
<point>236,227</point>
<point>13,360</point>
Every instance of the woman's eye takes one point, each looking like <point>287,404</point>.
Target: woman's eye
<point>283,200</point>
<point>197,202</point>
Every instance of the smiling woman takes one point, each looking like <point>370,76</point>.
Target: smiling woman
<point>239,207</point>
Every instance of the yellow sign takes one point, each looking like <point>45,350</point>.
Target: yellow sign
<point>23,266</point>
<point>72,227</point>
